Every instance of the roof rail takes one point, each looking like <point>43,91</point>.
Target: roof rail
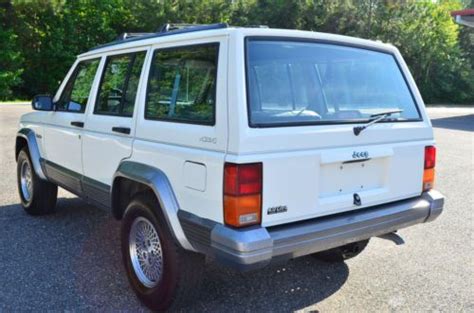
<point>165,30</point>
<point>175,26</point>
<point>124,36</point>
<point>257,26</point>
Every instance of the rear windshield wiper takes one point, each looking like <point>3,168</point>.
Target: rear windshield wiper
<point>374,118</point>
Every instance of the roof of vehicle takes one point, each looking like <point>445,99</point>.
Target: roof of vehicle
<point>213,30</point>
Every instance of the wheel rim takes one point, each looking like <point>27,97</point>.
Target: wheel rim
<point>26,181</point>
<point>145,252</point>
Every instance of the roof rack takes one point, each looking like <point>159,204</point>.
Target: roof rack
<point>165,30</point>
<point>124,36</point>
<point>257,26</point>
<point>175,26</point>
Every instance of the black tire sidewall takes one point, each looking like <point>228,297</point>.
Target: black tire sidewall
<point>23,156</point>
<point>161,296</point>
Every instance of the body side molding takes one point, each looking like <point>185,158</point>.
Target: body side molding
<point>159,183</point>
<point>35,156</point>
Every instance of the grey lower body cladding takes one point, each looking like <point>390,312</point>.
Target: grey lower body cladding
<point>255,247</point>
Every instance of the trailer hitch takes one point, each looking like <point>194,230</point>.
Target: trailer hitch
<point>394,237</point>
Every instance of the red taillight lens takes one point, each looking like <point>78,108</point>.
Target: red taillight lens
<point>430,157</point>
<point>429,172</point>
<point>242,179</point>
<point>242,194</point>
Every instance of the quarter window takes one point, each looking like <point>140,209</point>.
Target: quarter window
<point>76,93</point>
<point>182,85</point>
<point>118,87</point>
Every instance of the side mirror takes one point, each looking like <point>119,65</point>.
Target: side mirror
<point>42,103</point>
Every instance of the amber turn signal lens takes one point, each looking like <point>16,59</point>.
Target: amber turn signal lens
<point>428,179</point>
<point>429,172</point>
<point>242,210</point>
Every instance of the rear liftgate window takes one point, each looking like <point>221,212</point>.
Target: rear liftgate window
<point>310,83</point>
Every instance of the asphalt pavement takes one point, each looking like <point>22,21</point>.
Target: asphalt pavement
<point>71,261</point>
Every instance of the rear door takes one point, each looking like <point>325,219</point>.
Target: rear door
<point>110,123</point>
<point>304,100</point>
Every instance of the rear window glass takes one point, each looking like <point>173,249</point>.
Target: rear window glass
<point>301,83</point>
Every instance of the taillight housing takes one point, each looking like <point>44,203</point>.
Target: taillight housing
<point>242,194</point>
<point>429,168</point>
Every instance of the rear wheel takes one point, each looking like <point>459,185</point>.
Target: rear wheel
<point>37,196</point>
<point>340,254</point>
<point>161,273</point>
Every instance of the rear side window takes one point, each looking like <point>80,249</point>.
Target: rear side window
<point>76,93</point>
<point>118,87</point>
<point>182,85</point>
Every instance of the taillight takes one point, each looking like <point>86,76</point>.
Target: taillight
<point>429,172</point>
<point>242,194</point>
<point>430,157</point>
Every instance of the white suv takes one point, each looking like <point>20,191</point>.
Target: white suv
<point>247,145</point>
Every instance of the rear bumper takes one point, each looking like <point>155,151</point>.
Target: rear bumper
<point>255,247</point>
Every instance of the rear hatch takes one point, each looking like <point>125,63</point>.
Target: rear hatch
<point>304,100</point>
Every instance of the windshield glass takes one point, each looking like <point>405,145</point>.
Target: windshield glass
<point>305,83</point>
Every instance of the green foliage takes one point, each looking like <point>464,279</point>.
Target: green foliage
<point>428,39</point>
<point>41,38</point>
<point>10,59</point>
<point>440,60</point>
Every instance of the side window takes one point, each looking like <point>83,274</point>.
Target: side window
<point>118,87</point>
<point>76,92</point>
<point>182,85</point>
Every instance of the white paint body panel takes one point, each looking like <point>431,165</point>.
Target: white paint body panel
<point>62,142</point>
<point>169,145</point>
<point>301,165</point>
<point>102,148</point>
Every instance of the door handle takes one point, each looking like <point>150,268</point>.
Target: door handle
<point>78,124</point>
<point>122,130</point>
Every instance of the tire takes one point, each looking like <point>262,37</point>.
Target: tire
<point>38,196</point>
<point>340,254</point>
<point>181,271</point>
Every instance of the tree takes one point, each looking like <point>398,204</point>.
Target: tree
<point>41,38</point>
<point>428,39</point>
<point>10,57</point>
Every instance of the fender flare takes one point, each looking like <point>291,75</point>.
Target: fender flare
<point>157,180</point>
<point>33,148</point>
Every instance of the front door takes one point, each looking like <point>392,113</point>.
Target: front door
<point>63,127</point>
